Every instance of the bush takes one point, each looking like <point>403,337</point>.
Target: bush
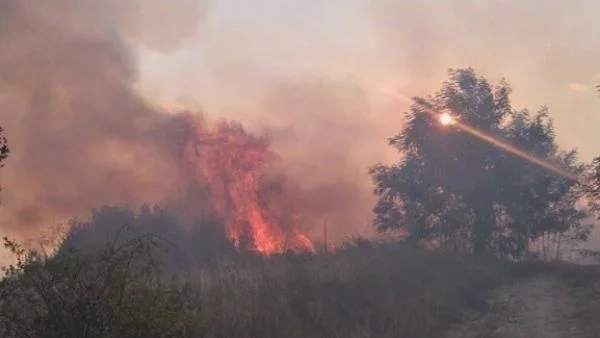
<point>191,242</point>
<point>114,292</point>
<point>364,290</point>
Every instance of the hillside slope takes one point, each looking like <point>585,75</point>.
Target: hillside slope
<point>541,306</point>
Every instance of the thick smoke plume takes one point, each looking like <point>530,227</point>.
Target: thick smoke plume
<point>82,137</point>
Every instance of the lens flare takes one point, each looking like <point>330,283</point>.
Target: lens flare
<point>446,119</point>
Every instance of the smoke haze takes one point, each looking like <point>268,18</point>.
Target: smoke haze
<point>313,75</point>
<point>80,136</point>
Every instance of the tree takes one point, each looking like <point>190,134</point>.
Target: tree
<point>596,178</point>
<point>454,190</point>
<point>595,182</point>
<point>4,149</point>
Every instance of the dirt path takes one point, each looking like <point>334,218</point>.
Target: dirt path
<point>537,307</point>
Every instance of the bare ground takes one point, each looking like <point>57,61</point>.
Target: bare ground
<point>531,308</point>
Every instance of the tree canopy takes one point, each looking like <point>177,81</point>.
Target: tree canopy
<point>452,189</point>
<point>4,149</point>
<point>595,177</point>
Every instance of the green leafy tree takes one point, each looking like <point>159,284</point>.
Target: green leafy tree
<point>454,190</point>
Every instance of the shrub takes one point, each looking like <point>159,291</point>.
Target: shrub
<point>364,290</point>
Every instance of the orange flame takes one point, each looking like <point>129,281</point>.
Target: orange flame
<point>234,164</point>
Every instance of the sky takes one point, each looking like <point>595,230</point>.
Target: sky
<point>547,50</point>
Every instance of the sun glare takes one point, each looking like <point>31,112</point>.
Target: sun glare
<point>446,119</point>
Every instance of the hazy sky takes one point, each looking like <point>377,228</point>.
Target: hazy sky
<point>547,49</point>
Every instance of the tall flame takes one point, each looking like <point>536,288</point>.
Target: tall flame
<point>235,165</point>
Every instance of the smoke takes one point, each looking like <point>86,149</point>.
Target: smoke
<point>324,133</point>
<point>313,75</point>
<point>80,135</point>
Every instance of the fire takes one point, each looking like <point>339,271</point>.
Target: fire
<point>235,165</point>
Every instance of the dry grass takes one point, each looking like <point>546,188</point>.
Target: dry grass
<point>364,290</point>
<point>585,284</point>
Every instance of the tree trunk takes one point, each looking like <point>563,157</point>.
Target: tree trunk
<point>559,239</point>
<point>484,224</point>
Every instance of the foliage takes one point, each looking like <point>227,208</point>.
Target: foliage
<point>191,242</point>
<point>454,190</point>
<point>115,292</point>
<point>365,290</point>
<point>4,149</point>
<point>595,191</point>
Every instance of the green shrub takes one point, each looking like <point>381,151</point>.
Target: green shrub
<point>364,290</point>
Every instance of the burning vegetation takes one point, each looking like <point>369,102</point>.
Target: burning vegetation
<point>83,137</point>
<point>239,169</point>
